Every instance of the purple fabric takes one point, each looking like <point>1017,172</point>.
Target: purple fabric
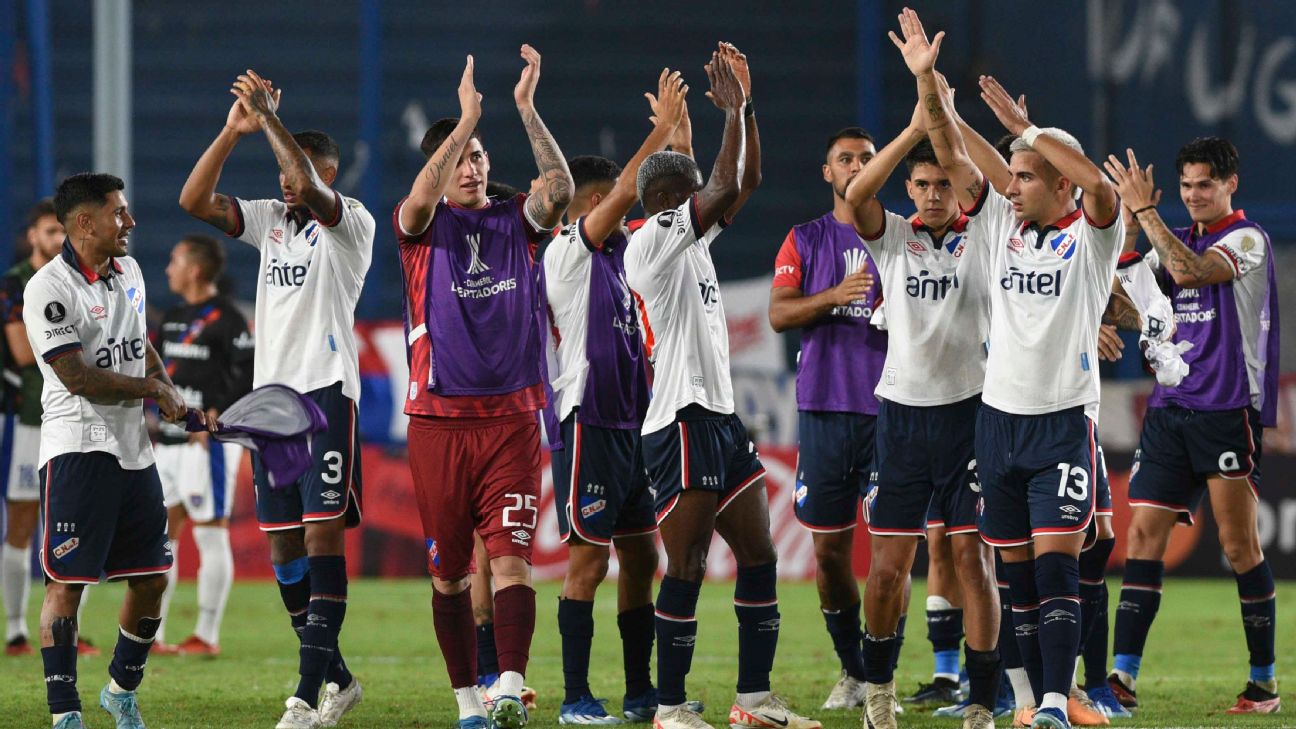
<point>482,301</point>
<point>275,421</point>
<point>616,386</point>
<point>841,355</point>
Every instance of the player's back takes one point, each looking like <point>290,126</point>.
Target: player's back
<point>311,275</point>
<point>669,267</point>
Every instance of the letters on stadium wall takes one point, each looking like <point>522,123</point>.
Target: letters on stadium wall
<point>390,542</point>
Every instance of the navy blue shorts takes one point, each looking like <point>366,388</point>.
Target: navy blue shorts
<point>100,519</point>
<point>1037,474</point>
<point>1179,449</point>
<point>834,463</point>
<point>331,488</point>
<point>606,494</point>
<point>701,450</point>
<point>926,469</point>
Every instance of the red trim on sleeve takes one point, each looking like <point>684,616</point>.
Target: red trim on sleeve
<point>788,265</point>
<point>1129,259</point>
<point>337,217</point>
<point>1228,256</point>
<point>1103,226</point>
<point>693,218</point>
<point>240,225</point>
<point>584,237</point>
<point>880,231</point>
<point>636,224</point>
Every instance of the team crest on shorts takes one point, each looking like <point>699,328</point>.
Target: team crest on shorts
<point>195,500</point>
<point>66,547</point>
<point>434,557</point>
<point>591,508</point>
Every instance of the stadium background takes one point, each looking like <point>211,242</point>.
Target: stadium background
<point>372,73</point>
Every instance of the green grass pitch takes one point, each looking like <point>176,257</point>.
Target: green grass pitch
<point>1196,660</point>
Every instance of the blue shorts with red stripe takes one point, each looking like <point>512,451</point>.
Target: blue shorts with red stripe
<point>702,450</point>
<point>331,488</point>
<point>1037,474</point>
<point>100,519</point>
<point>600,485</point>
<point>834,463</point>
<point>926,469</point>
<point>1179,449</point>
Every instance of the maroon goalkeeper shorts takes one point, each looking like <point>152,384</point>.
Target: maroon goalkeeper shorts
<point>475,474</point>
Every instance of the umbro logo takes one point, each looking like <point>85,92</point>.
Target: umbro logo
<point>1257,621</point>
<point>1027,629</point>
<point>1129,605</point>
<point>1056,615</point>
<point>474,248</point>
<point>684,641</point>
<point>333,495</point>
<point>1069,509</point>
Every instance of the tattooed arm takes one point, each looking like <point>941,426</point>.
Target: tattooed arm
<point>942,128</point>
<point>435,177</point>
<point>199,197</point>
<point>299,175</point>
<point>1138,192</point>
<point>545,207</point>
<point>1121,312</point>
<point>105,386</point>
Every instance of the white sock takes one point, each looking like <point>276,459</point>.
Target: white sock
<point>173,576</point>
<point>1054,700</point>
<point>1023,694</point>
<point>215,576</point>
<point>470,702</point>
<point>669,707</point>
<point>1125,678</point>
<point>936,602</point>
<point>114,687</point>
<point>752,700</point>
<point>85,596</point>
<point>15,574</point>
<point>510,684</point>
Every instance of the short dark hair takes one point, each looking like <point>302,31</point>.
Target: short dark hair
<point>1004,146</point>
<point>922,154</point>
<point>438,132</point>
<point>501,190</point>
<point>43,207</point>
<point>84,187</point>
<point>319,145</point>
<point>208,253</point>
<point>1217,152</point>
<point>849,133</point>
<point>588,169</point>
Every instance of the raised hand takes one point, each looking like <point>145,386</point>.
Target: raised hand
<point>1132,224</point>
<point>726,93</point>
<point>919,54</point>
<point>469,99</point>
<point>738,62</point>
<point>524,92</point>
<point>681,140</point>
<point>853,287</point>
<point>240,117</point>
<point>1011,114</point>
<point>255,94</point>
<point>668,106</point>
<point>1135,185</point>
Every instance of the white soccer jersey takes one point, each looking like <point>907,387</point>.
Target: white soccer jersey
<point>567,265</point>
<point>668,265</point>
<point>70,311</point>
<point>937,309</point>
<point>309,283</point>
<point>1048,290</point>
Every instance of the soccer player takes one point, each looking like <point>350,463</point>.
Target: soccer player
<point>207,350</point>
<point>315,246</point>
<point>101,498</point>
<point>929,392</point>
<point>1050,273</point>
<point>944,619</point>
<point>472,321</point>
<point>703,465</point>
<point>601,490</point>
<point>1204,435</point>
<point>44,235</point>
<point>825,284</point>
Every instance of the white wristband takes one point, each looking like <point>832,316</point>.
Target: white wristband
<point>1029,134</point>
